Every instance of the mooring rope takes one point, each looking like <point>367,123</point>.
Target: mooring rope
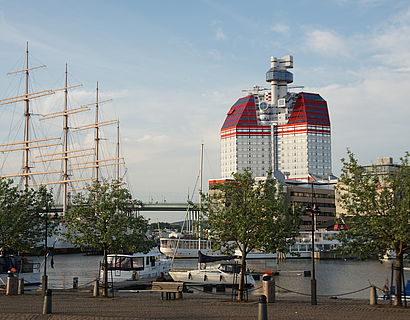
<point>325,295</point>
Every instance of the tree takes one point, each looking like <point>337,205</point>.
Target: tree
<point>251,214</point>
<point>99,219</point>
<point>22,220</point>
<point>377,212</point>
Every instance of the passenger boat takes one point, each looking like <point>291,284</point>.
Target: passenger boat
<point>178,246</point>
<point>185,246</point>
<point>136,266</point>
<point>21,267</point>
<point>326,245</point>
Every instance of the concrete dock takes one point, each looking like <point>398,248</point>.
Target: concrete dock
<point>147,305</point>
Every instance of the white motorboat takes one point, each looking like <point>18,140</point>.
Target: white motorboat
<point>21,267</point>
<point>136,266</point>
<point>224,273</point>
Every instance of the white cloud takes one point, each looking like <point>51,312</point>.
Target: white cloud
<point>281,28</point>
<point>326,42</point>
<point>392,42</point>
<point>220,34</point>
<point>370,116</point>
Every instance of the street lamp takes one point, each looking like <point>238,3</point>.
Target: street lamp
<point>313,210</point>
<point>45,277</point>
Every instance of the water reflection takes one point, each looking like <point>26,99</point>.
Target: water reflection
<point>333,276</point>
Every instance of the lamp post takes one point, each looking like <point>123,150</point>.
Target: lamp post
<point>313,210</point>
<point>45,277</point>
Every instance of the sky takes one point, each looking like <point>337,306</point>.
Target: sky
<point>174,68</point>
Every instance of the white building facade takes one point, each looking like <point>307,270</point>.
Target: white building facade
<point>278,130</point>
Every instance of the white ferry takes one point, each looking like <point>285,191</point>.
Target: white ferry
<point>178,246</point>
<point>325,243</point>
<point>183,246</point>
<point>136,266</point>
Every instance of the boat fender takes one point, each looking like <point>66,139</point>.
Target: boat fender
<point>221,278</point>
<point>205,278</point>
<point>134,276</point>
<point>190,276</point>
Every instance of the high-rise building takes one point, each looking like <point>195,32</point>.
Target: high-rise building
<point>278,129</point>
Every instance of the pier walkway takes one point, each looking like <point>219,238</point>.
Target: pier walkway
<point>194,306</point>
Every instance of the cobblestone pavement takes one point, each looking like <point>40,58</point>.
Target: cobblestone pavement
<point>193,306</point>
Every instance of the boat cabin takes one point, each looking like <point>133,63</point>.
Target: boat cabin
<point>129,262</point>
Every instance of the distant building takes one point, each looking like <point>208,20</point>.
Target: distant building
<point>383,166</point>
<point>275,129</point>
<point>302,195</point>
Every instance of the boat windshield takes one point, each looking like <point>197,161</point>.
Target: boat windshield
<point>230,268</point>
<point>125,263</point>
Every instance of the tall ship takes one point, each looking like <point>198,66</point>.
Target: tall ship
<point>62,144</point>
<point>56,139</point>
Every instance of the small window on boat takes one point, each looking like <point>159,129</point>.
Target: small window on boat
<point>137,263</point>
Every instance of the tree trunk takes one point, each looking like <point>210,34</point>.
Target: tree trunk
<point>105,277</point>
<point>398,267</point>
<point>241,293</point>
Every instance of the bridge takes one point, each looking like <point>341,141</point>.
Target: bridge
<point>158,206</point>
<point>163,206</point>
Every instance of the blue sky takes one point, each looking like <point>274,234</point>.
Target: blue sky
<point>174,68</point>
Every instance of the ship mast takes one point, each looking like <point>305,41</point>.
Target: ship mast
<point>200,197</point>
<point>65,146</point>
<point>97,141</point>
<point>26,167</point>
<point>117,173</point>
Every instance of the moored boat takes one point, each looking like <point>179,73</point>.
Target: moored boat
<point>184,246</point>
<point>227,273</point>
<point>21,267</point>
<point>136,266</point>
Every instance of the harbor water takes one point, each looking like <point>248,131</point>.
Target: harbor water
<point>334,277</point>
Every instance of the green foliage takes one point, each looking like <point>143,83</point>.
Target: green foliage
<point>98,219</point>
<point>251,215</point>
<point>22,217</point>
<point>377,209</point>
<point>254,215</point>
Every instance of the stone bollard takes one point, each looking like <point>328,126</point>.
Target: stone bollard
<point>262,308</point>
<point>268,284</point>
<point>20,286</point>
<point>96,289</point>
<point>373,296</point>
<point>47,304</point>
<point>12,283</point>
<point>75,283</point>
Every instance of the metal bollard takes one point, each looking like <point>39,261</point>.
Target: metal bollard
<point>47,305</point>
<point>96,290</point>
<point>21,286</point>
<point>262,308</point>
<point>373,296</point>
<point>268,284</point>
<point>11,287</point>
<point>75,283</point>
